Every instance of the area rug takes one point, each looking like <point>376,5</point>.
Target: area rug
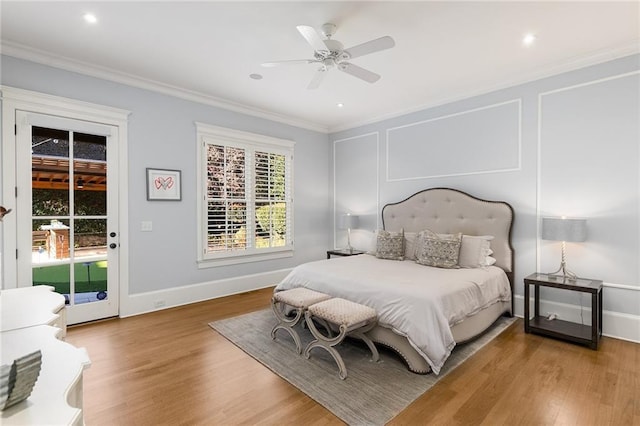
<point>372,394</point>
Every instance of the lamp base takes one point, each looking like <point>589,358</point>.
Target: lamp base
<point>566,273</point>
<point>562,273</point>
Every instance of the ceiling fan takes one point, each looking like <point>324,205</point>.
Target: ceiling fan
<point>332,54</point>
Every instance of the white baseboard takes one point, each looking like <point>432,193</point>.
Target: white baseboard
<point>141,303</point>
<point>614,324</point>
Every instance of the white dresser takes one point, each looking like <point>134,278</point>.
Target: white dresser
<point>31,319</point>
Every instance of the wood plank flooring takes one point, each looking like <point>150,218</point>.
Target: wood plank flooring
<point>170,368</point>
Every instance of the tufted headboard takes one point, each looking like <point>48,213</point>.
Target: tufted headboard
<point>447,211</point>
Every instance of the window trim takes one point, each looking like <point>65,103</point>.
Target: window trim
<point>207,133</point>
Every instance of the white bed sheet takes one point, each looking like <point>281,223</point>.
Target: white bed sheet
<point>416,301</point>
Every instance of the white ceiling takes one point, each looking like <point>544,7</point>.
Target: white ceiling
<point>206,50</point>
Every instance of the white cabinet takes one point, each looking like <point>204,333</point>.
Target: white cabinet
<point>33,319</point>
<point>29,306</point>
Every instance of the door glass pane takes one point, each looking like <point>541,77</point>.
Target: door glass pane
<point>55,275</point>
<point>90,253</point>
<point>50,172</point>
<point>90,281</point>
<point>90,174</point>
<point>51,250</point>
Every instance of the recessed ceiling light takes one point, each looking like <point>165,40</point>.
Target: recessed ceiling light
<point>339,104</point>
<point>90,18</point>
<point>528,39</point>
<point>255,76</point>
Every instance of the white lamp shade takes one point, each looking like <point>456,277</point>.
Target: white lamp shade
<point>564,229</point>
<point>348,221</point>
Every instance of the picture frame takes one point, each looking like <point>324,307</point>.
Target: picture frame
<point>164,185</point>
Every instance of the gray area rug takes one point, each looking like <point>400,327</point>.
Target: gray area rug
<point>372,394</point>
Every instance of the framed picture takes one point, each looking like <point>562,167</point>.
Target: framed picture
<point>163,185</point>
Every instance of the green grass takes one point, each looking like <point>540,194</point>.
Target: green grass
<point>58,276</point>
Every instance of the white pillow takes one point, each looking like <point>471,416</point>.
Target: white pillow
<point>475,251</point>
<point>410,245</point>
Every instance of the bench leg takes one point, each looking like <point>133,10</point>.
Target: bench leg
<point>327,344</point>
<point>287,324</point>
<point>360,333</point>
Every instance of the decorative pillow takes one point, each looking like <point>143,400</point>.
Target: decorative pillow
<point>410,239</point>
<point>441,251</point>
<point>390,245</point>
<point>475,251</point>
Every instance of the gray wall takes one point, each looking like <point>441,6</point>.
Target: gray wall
<point>162,134</point>
<point>564,145</point>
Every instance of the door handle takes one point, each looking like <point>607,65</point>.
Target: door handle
<point>113,245</point>
<point>113,234</point>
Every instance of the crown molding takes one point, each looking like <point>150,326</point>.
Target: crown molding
<point>631,47</point>
<point>38,56</point>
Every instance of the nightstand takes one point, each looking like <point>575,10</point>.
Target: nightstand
<point>343,252</point>
<point>560,329</point>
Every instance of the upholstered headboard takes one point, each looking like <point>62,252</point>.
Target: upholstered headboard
<point>446,211</point>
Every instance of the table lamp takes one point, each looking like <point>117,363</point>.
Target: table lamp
<point>347,222</point>
<point>564,229</point>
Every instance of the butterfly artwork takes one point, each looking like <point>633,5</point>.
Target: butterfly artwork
<point>4,212</point>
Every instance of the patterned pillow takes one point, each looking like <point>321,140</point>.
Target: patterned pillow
<point>441,251</point>
<point>390,245</point>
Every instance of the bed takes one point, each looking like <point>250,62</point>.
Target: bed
<point>424,311</point>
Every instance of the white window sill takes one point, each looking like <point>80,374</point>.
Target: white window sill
<point>245,258</point>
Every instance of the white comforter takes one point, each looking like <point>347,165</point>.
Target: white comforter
<point>416,301</point>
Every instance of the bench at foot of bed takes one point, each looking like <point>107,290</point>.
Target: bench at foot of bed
<point>351,319</point>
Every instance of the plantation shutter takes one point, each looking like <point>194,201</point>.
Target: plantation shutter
<point>272,199</point>
<point>226,198</point>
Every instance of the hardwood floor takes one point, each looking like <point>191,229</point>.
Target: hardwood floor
<point>171,368</point>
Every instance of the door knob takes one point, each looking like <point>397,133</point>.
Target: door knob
<point>113,245</point>
<point>113,234</point>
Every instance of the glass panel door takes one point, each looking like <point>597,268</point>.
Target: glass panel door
<point>71,232</point>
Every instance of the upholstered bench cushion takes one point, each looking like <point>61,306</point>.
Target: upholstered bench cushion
<point>300,297</point>
<point>342,312</point>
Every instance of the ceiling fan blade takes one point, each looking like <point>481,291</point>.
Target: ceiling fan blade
<point>361,73</point>
<point>290,62</point>
<point>313,38</point>
<point>317,78</point>
<point>372,46</point>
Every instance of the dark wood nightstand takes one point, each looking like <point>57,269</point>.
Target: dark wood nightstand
<point>560,329</point>
<point>343,252</point>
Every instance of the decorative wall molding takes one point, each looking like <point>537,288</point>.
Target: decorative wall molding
<point>627,48</point>
<point>337,141</point>
<point>517,102</point>
<point>539,161</point>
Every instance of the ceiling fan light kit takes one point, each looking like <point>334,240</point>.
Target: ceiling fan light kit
<point>331,53</point>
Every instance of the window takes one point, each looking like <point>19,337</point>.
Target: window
<point>245,197</point>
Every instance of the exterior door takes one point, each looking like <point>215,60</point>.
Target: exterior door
<point>67,221</point>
